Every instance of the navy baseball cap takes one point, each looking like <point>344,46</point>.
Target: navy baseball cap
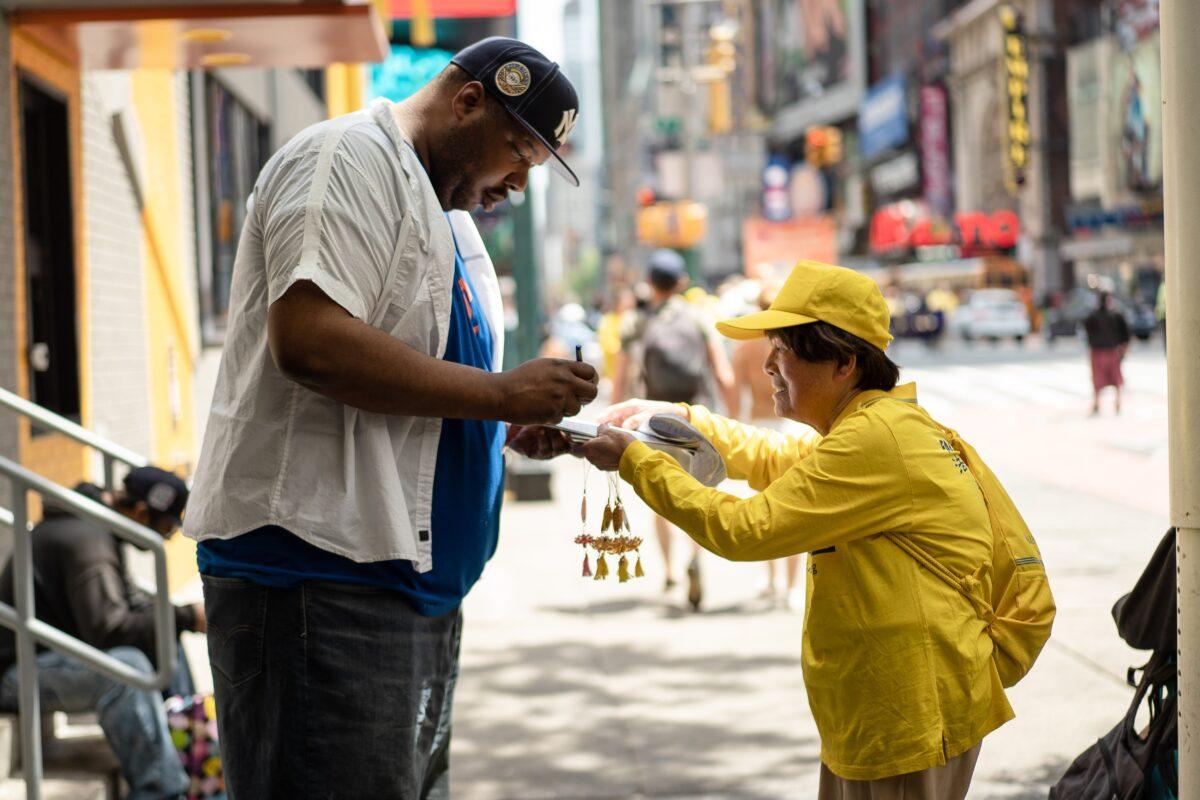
<point>530,86</point>
<point>164,492</point>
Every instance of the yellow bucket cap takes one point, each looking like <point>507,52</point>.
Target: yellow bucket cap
<point>817,292</point>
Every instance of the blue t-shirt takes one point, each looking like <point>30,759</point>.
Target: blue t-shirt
<point>468,487</point>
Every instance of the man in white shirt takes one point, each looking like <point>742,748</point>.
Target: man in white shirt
<point>348,491</point>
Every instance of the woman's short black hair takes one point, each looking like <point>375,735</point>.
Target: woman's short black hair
<point>819,341</point>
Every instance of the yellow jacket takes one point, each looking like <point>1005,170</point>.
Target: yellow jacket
<point>897,664</point>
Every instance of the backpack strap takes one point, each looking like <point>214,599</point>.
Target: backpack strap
<point>968,585</point>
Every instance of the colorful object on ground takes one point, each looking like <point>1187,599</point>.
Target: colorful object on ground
<point>192,721</point>
<point>616,520</point>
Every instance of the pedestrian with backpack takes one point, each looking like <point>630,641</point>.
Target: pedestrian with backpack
<point>672,354</point>
<point>926,595</point>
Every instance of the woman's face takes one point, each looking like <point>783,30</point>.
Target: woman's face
<point>805,391</point>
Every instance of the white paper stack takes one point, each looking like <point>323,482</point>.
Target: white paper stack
<point>672,435</point>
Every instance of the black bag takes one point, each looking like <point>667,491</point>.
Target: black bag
<point>1118,766</point>
<point>675,354</point>
<point>1146,616</point>
<point>1125,765</point>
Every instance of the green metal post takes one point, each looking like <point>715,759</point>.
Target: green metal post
<point>527,273</point>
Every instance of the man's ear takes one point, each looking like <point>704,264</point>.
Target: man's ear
<point>846,370</point>
<point>141,513</point>
<point>471,99</point>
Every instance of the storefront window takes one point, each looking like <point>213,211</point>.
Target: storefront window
<point>237,145</point>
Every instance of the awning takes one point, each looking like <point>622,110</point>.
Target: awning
<point>224,33</point>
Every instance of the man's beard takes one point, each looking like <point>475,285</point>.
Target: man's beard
<point>456,166</point>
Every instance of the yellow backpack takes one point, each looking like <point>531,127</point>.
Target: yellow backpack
<point>1012,593</point>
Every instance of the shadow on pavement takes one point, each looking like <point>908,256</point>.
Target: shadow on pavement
<point>667,608</point>
<point>576,719</point>
<point>1030,784</point>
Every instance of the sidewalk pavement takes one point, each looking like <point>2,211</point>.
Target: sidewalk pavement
<point>579,689</point>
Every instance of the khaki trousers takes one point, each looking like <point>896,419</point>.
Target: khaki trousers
<point>947,782</point>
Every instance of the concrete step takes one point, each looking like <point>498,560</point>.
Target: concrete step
<point>57,786</point>
<point>77,763</point>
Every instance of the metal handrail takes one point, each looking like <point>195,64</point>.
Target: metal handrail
<point>48,420</point>
<point>30,631</point>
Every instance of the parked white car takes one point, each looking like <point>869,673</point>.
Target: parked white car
<point>992,314</point>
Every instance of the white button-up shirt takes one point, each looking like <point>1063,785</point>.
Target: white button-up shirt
<point>347,205</point>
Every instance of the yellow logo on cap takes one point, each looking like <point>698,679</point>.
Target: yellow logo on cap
<point>513,79</point>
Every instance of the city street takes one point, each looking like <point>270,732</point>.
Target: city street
<point>577,689</point>
<point>253,254</point>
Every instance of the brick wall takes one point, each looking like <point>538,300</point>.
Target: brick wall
<point>118,368</point>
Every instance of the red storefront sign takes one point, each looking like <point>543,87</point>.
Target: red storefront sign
<point>903,227</point>
<point>771,249</point>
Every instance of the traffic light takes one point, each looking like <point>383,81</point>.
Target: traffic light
<point>720,58</point>
<point>680,224</point>
<point>833,146</point>
<point>823,145</point>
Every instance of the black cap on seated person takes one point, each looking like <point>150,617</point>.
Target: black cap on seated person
<point>531,87</point>
<point>165,493</point>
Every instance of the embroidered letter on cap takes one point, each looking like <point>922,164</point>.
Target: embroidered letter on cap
<point>566,125</point>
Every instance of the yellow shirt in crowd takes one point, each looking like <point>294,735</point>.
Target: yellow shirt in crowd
<point>897,664</point>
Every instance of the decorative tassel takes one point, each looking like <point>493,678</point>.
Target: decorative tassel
<point>601,568</point>
<point>583,510</point>
<point>608,519</point>
<point>618,518</point>
<point>587,567</point>
<point>623,569</point>
<point>637,570</point>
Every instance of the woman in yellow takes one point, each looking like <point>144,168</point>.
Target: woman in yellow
<point>897,664</point>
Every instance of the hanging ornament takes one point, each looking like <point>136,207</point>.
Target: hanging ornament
<point>614,539</point>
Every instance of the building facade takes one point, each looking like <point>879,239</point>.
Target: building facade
<point>126,169</point>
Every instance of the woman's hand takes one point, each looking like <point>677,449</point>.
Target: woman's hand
<point>605,451</point>
<point>632,414</point>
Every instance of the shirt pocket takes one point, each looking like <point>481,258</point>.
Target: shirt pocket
<point>403,280</point>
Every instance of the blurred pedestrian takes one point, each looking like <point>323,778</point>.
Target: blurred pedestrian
<point>350,483</point>
<point>1107,339</point>
<point>750,377</point>
<point>905,658</point>
<point>82,587</point>
<point>675,356</point>
<point>608,333</point>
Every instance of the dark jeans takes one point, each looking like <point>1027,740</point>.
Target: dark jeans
<point>328,690</point>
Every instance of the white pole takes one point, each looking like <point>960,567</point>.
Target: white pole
<point>1180,30</point>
